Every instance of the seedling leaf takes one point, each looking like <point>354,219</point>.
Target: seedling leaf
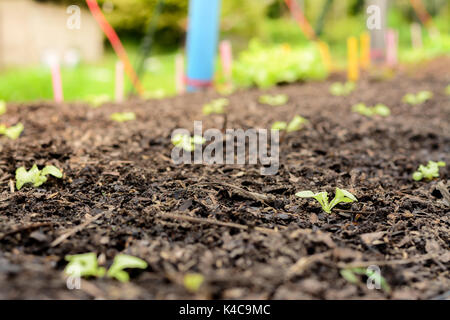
<point>273,100</point>
<point>12,132</point>
<point>2,107</point>
<point>83,265</point>
<point>193,281</point>
<point>216,106</point>
<point>35,176</point>
<point>296,124</point>
<point>342,89</point>
<point>430,171</point>
<point>52,170</point>
<point>279,125</point>
<point>123,116</point>
<point>121,262</point>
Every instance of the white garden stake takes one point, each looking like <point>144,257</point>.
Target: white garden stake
<point>119,81</point>
<point>56,82</point>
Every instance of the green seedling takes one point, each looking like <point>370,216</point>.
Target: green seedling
<point>420,97</point>
<point>12,132</point>
<point>428,172</point>
<point>275,100</point>
<point>447,90</point>
<point>351,276</point>
<point>123,116</point>
<point>295,124</point>
<point>35,176</point>
<point>83,265</point>
<point>217,107</point>
<point>322,197</point>
<point>193,281</point>
<point>342,89</point>
<point>121,262</point>
<point>186,142</point>
<point>2,107</point>
<point>98,100</point>
<point>379,109</point>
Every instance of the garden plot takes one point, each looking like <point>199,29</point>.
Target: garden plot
<point>247,235</point>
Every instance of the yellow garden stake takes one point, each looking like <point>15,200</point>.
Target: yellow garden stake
<point>325,54</point>
<point>352,57</point>
<point>365,50</point>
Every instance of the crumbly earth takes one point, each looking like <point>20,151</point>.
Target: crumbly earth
<point>247,234</point>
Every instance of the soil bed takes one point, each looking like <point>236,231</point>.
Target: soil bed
<point>122,193</point>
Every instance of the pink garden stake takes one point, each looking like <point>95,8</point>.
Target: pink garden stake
<point>391,47</point>
<point>57,83</point>
<point>179,74</point>
<point>119,81</point>
<point>226,56</point>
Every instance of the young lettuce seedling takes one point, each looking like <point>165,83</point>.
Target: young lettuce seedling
<point>342,89</point>
<point>2,107</point>
<point>12,132</point>
<point>123,116</point>
<point>83,265</point>
<point>420,97</point>
<point>295,124</point>
<point>217,107</point>
<point>186,142</point>
<point>98,100</point>
<point>35,176</point>
<point>322,197</point>
<point>350,276</point>
<point>428,172</point>
<point>121,262</point>
<point>274,101</point>
<point>379,109</point>
<point>447,90</point>
<point>193,281</point>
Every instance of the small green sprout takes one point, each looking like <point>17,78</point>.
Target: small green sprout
<point>216,106</point>
<point>350,276</point>
<point>86,265</point>
<point>342,89</point>
<point>447,90</point>
<point>121,262</point>
<point>420,97</point>
<point>83,265</point>
<point>295,124</point>
<point>193,281</point>
<point>2,107</point>
<point>186,142</point>
<point>379,109</point>
<point>275,100</point>
<point>123,116</point>
<point>322,197</point>
<point>97,100</point>
<point>35,176</point>
<point>12,132</point>
<point>430,171</point>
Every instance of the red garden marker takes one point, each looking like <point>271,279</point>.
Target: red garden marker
<point>56,82</point>
<point>116,44</point>
<point>226,56</point>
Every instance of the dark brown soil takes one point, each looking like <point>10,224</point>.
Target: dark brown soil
<point>279,248</point>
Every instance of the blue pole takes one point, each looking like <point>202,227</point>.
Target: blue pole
<point>203,31</point>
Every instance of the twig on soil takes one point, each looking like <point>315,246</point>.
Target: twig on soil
<point>71,232</point>
<point>26,228</point>
<point>365,264</point>
<point>216,222</point>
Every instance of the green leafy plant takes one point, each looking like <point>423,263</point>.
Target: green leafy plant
<point>186,142</point>
<point>35,176</point>
<point>2,107</point>
<point>379,109</point>
<point>216,106</point>
<point>12,132</point>
<point>97,100</point>
<point>86,265</point>
<point>295,124</point>
<point>418,98</point>
<point>123,116</point>
<point>273,100</point>
<point>193,281</point>
<point>351,276</point>
<point>322,197</point>
<point>121,262</point>
<point>430,171</point>
<point>83,265</point>
<point>342,89</point>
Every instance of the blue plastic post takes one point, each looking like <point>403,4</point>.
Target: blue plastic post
<point>203,32</point>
